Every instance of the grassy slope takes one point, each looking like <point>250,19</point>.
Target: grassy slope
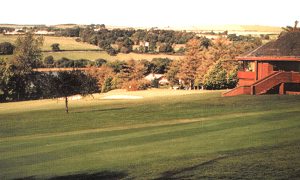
<point>66,43</point>
<point>180,136</point>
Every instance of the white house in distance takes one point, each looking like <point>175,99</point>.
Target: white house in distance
<point>44,33</point>
<point>162,80</point>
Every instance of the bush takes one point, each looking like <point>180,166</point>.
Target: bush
<point>165,47</point>
<point>81,63</point>
<point>155,83</point>
<point>111,51</point>
<point>107,86</point>
<point>6,48</point>
<point>64,63</point>
<point>55,47</point>
<point>49,60</point>
<point>124,50</point>
<point>100,62</point>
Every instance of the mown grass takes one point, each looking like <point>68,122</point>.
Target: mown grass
<point>66,43</point>
<point>178,136</point>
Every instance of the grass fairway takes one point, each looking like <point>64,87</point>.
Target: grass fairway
<point>167,134</point>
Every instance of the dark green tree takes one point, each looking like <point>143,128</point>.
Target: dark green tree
<point>27,56</point>
<point>100,62</point>
<point>28,53</point>
<point>70,83</point>
<point>6,48</point>
<point>216,77</point>
<point>160,65</point>
<point>6,85</point>
<point>107,85</point>
<point>48,61</point>
<point>55,47</point>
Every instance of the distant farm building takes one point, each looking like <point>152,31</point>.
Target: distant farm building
<point>162,80</point>
<point>273,68</point>
<point>44,33</point>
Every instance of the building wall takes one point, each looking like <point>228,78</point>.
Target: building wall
<point>264,69</point>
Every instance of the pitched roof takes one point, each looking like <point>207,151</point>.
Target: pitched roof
<point>153,76</point>
<point>286,47</point>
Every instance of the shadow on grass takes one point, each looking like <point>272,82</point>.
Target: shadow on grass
<point>100,110</point>
<point>105,175</point>
<point>265,162</point>
<point>171,174</point>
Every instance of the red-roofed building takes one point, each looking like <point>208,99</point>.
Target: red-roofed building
<point>273,68</point>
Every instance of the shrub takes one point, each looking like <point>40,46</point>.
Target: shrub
<point>55,47</point>
<point>107,86</point>
<point>100,62</point>
<point>49,60</point>
<point>124,50</point>
<point>6,48</point>
<point>111,51</point>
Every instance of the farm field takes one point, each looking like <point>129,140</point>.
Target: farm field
<point>167,134</point>
<point>92,55</point>
<point>66,43</point>
<point>80,50</point>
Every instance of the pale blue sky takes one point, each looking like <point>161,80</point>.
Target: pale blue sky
<point>151,13</point>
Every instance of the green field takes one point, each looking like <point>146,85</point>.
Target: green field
<point>166,135</point>
<point>92,55</point>
<point>88,51</point>
<point>66,43</point>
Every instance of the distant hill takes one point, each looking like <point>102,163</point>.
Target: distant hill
<point>232,29</point>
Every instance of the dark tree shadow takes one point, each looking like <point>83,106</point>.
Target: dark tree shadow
<point>100,110</point>
<point>105,175</point>
<point>168,175</point>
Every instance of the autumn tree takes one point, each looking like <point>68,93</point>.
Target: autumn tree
<point>189,65</point>
<point>104,76</point>
<point>172,72</point>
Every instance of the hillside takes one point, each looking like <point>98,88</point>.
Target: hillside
<point>166,134</point>
<point>66,43</point>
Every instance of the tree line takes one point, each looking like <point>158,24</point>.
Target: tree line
<point>19,81</point>
<point>148,41</point>
<point>206,64</point>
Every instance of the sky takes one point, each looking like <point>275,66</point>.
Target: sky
<point>151,13</point>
